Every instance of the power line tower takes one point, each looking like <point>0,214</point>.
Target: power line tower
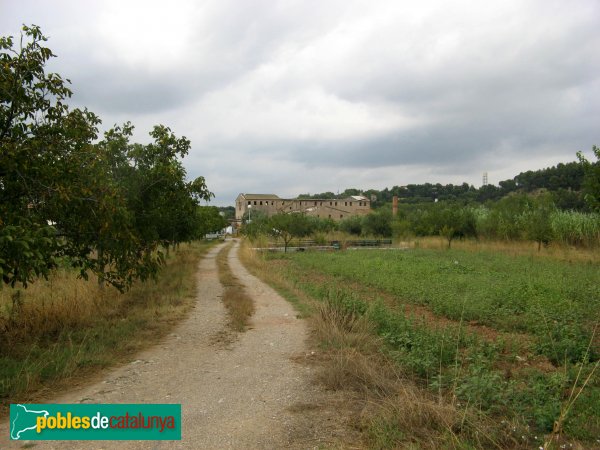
<point>485,179</point>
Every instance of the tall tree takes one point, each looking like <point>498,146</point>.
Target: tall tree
<point>209,220</point>
<point>43,147</point>
<point>288,227</point>
<point>591,182</point>
<point>160,204</point>
<point>537,220</point>
<point>377,223</point>
<point>107,206</point>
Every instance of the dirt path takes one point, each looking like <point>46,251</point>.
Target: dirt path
<point>245,394</point>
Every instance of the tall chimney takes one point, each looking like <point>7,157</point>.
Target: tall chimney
<point>394,206</point>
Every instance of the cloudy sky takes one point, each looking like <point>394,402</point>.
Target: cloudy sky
<point>291,97</point>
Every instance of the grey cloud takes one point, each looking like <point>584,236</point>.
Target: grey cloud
<point>518,86</point>
<point>231,39</point>
<point>452,143</point>
<point>128,91</point>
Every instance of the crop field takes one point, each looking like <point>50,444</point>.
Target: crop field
<point>514,338</point>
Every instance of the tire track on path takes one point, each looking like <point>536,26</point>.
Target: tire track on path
<point>237,395</point>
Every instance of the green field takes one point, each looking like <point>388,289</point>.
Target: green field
<point>555,301</point>
<point>509,336</point>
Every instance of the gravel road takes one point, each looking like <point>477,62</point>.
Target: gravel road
<point>241,393</point>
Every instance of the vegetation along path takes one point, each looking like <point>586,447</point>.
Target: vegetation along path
<point>239,390</point>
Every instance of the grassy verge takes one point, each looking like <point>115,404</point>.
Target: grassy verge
<point>431,380</point>
<point>240,306</point>
<point>59,332</point>
<point>262,267</point>
<point>555,251</point>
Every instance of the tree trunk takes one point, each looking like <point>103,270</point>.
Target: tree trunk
<point>101,266</point>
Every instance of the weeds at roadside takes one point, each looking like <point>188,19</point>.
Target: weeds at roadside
<point>576,390</point>
<point>259,267</point>
<point>397,410</point>
<point>240,305</point>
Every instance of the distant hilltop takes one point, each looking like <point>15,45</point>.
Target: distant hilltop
<point>564,181</point>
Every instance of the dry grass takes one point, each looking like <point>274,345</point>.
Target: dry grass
<point>410,418</point>
<point>240,305</point>
<point>338,329</point>
<point>516,248</point>
<point>59,332</point>
<point>353,360</point>
<point>394,411</point>
<point>47,307</point>
<point>254,262</point>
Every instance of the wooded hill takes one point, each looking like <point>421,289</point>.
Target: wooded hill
<point>563,181</point>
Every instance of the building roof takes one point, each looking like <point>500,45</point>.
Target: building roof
<point>260,196</point>
<point>276,197</point>
<point>352,197</point>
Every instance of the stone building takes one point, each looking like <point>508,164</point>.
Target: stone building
<point>324,208</point>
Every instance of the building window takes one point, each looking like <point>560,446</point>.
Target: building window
<point>261,203</point>
<point>345,203</point>
<point>255,202</point>
<point>290,207</point>
<point>341,216</point>
<point>249,202</point>
<point>330,203</point>
<point>335,203</point>
<point>321,204</point>
<point>315,203</point>
<point>330,216</point>
<point>350,203</point>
